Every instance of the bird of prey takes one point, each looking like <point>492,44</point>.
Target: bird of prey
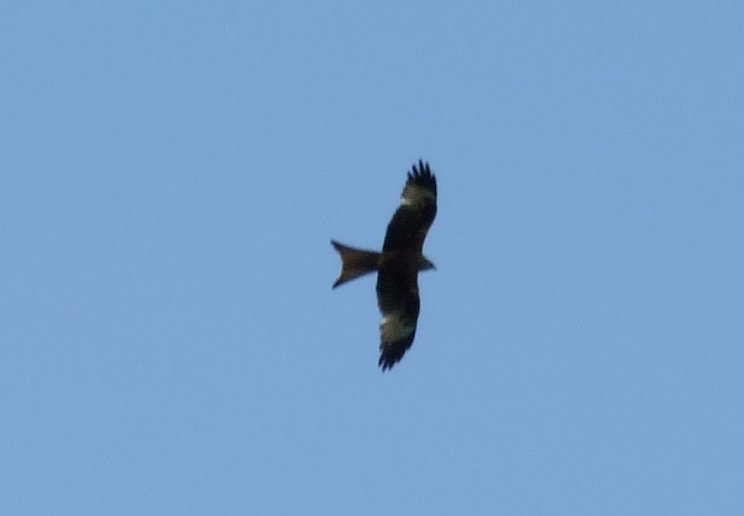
<point>398,264</point>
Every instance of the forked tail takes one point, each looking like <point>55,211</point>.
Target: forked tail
<point>355,262</point>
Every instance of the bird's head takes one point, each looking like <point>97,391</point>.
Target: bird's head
<point>425,264</point>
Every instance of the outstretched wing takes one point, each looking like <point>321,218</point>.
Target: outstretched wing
<point>418,207</point>
<point>398,298</point>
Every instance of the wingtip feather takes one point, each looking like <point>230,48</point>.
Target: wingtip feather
<point>421,175</point>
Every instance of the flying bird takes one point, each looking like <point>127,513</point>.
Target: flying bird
<point>398,264</point>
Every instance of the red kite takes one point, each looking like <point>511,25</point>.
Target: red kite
<point>398,264</point>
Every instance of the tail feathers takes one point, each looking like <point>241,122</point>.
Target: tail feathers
<point>355,262</point>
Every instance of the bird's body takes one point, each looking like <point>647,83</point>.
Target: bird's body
<point>398,264</point>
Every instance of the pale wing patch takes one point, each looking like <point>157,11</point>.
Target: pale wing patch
<point>416,195</point>
<point>394,329</point>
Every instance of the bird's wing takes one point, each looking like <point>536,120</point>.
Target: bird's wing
<point>398,299</point>
<point>418,207</point>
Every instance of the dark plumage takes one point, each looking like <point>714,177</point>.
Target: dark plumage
<point>398,264</point>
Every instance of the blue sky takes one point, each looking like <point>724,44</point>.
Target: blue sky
<point>171,174</point>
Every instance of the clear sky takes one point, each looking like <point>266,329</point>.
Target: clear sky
<point>171,174</point>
